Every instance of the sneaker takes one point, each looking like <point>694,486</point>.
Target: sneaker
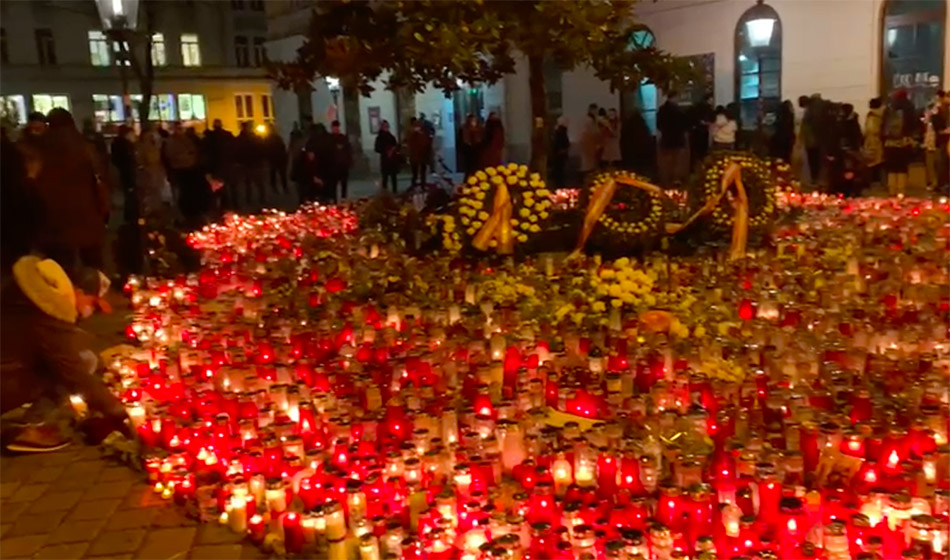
<point>38,439</point>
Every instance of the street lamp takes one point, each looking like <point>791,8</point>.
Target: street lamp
<point>760,25</point>
<point>119,19</point>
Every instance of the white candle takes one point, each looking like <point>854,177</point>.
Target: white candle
<point>237,514</point>
<point>336,524</point>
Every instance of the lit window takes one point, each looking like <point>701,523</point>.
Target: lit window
<point>190,52</point>
<point>158,50</point>
<point>260,55</point>
<point>266,107</point>
<point>44,102</point>
<point>13,106</point>
<point>161,108</point>
<point>191,106</point>
<point>244,106</point>
<point>108,108</point>
<point>98,48</point>
<point>122,52</point>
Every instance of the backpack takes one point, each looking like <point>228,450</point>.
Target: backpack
<point>893,126</point>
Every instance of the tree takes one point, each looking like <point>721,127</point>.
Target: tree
<point>450,43</point>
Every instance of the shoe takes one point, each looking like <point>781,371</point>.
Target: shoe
<point>38,439</point>
<point>97,428</point>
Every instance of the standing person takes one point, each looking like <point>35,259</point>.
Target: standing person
<point>152,180</point>
<point>590,141</point>
<point>20,207</point>
<point>320,144</point>
<point>123,158</point>
<point>783,140</point>
<point>419,144</point>
<point>610,139</point>
<point>845,141</point>
<point>33,130</point>
<point>75,201</point>
<point>472,133</point>
<point>98,143</point>
<point>218,148</point>
<point>342,161</point>
<point>701,119</point>
<point>637,144</point>
<point>899,127</point>
<point>388,149</point>
<point>194,194</point>
<point>940,121</point>
<point>251,158</point>
<point>307,176</point>
<point>873,142</point>
<point>560,153</point>
<point>494,143</point>
<point>812,131</point>
<point>724,130</point>
<point>276,158</point>
<point>672,157</point>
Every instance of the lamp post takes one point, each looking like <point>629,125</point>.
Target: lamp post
<point>119,20</point>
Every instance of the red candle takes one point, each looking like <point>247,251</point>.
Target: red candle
<point>293,532</point>
<point>257,529</point>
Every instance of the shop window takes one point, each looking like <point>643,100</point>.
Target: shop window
<point>191,107</point>
<point>14,107</point>
<point>45,102</point>
<point>108,108</point>
<point>913,48</point>
<point>758,69</point>
<point>162,107</point>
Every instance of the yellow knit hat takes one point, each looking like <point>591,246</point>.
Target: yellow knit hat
<point>46,284</point>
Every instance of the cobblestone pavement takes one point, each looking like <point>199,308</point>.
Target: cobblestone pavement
<point>75,504</point>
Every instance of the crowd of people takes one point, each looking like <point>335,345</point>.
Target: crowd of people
<point>823,140</point>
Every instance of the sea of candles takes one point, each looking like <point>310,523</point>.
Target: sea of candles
<point>391,429</point>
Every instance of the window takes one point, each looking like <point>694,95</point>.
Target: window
<point>643,97</point>
<point>108,108</point>
<point>237,4</point>
<point>913,48</point>
<point>98,48</point>
<point>260,55</point>
<point>161,108</point>
<point>267,108</point>
<point>4,54</point>
<point>44,102</point>
<point>758,69</point>
<point>122,52</point>
<point>244,107</point>
<point>13,105</point>
<point>240,51</point>
<point>159,57</point>
<point>257,5</point>
<point>45,46</point>
<point>191,106</point>
<point>190,53</point>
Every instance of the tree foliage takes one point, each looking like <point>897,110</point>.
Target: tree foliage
<point>415,43</point>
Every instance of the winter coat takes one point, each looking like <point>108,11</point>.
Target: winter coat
<point>494,143</point>
<point>610,139</point>
<point>420,145</point>
<point>388,149</point>
<point>873,143</point>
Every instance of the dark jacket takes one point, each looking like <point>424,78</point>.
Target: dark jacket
<point>20,210</point>
<point>39,356</point>
<point>218,148</point>
<point>562,143</point>
<point>342,153</point>
<point>249,149</point>
<point>69,185</point>
<point>388,149</point>
<point>672,124</point>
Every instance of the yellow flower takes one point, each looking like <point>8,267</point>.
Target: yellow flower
<point>522,238</point>
<point>480,196</point>
<point>543,215</point>
<point>607,273</point>
<point>491,171</point>
<point>616,302</point>
<point>512,179</point>
<point>599,306</point>
<point>524,212</point>
<point>699,331</point>
<point>535,228</point>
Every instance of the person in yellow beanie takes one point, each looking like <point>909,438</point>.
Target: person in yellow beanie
<point>41,353</point>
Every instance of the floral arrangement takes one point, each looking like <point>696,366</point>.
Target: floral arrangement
<point>633,216</point>
<point>758,181</point>
<point>498,207</point>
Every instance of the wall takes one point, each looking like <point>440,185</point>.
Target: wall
<point>286,107</point>
<point>386,102</point>
<point>580,89</point>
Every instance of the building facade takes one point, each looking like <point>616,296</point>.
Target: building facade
<point>752,53</point>
<point>208,58</point>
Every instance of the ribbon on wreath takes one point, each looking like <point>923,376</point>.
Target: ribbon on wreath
<point>600,199</point>
<point>498,225</point>
<point>732,176</point>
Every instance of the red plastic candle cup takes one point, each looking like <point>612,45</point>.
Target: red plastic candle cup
<point>293,532</point>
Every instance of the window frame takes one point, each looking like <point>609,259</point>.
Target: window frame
<point>242,56</point>
<point>191,101</point>
<point>773,51</point>
<point>99,49</point>
<point>19,101</point>
<point>267,107</point>
<point>158,40</point>
<point>45,46</point>
<point>244,107</point>
<point>53,104</point>
<point>937,14</point>
<point>193,48</point>
<point>260,52</point>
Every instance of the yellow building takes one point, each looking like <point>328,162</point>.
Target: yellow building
<point>208,58</point>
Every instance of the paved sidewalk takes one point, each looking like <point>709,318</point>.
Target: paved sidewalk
<point>74,504</point>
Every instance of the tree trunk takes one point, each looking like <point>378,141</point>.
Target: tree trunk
<point>539,134</point>
<point>354,132</point>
